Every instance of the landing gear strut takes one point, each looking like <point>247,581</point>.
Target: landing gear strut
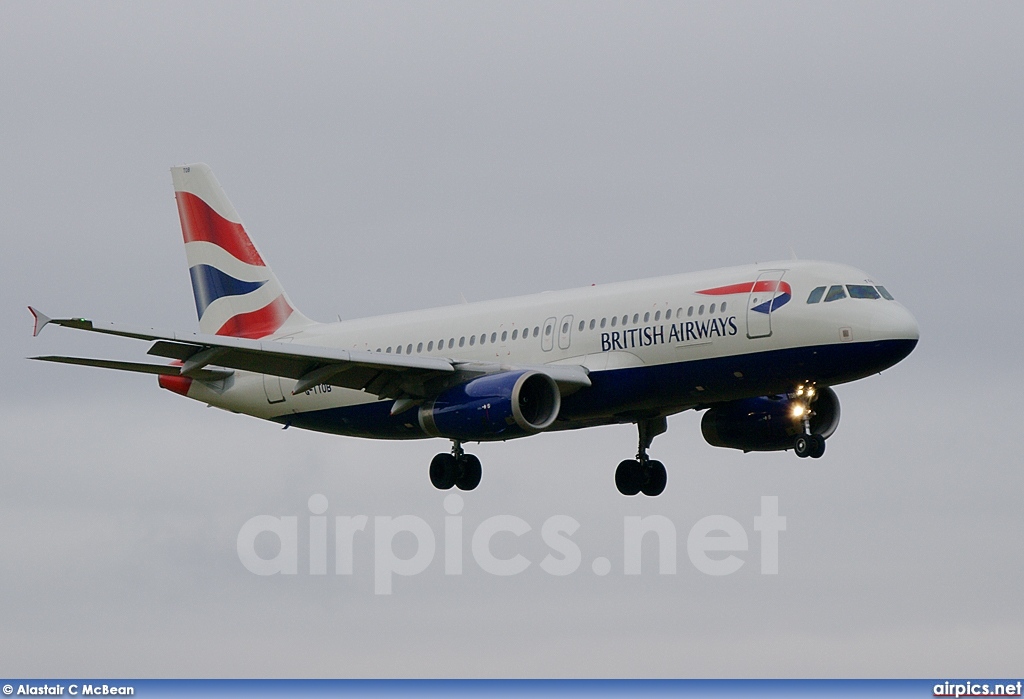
<point>455,469</point>
<point>643,474</point>
<point>807,443</point>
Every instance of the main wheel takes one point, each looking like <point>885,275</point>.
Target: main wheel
<point>469,472</point>
<point>803,445</point>
<point>819,446</point>
<point>627,477</point>
<point>443,470</point>
<point>654,484</point>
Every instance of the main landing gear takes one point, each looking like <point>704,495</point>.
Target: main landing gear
<point>455,469</point>
<point>642,474</point>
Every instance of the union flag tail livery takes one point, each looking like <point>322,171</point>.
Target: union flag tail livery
<point>236,292</point>
<point>758,348</point>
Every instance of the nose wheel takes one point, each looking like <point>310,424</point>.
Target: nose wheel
<point>808,443</point>
<point>643,474</point>
<point>812,445</point>
<point>457,469</point>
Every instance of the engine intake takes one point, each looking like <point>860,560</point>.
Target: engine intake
<point>492,407</point>
<point>767,423</point>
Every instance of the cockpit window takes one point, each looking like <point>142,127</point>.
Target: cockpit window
<point>816,295</point>
<point>862,291</point>
<point>835,293</point>
<point>885,294</point>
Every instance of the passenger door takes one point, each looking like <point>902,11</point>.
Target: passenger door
<point>760,303</point>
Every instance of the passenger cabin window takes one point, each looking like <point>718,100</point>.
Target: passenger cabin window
<point>430,346</point>
<point>885,294</point>
<point>472,340</point>
<point>835,293</point>
<point>592,323</point>
<point>657,316</point>
<point>515,334</point>
<point>494,337</point>
<point>536,330</point>
<point>816,294</point>
<point>583,324</point>
<point>668,314</point>
<point>398,350</point>
<point>462,341</point>
<point>647,317</point>
<point>636,318</point>
<point>451,342</point>
<point>862,291</point>
<point>389,350</point>
<point>408,350</point>
<point>625,319</point>
<point>722,309</point>
<point>419,347</point>
<point>504,335</point>
<point>712,309</point>
<point>615,321</point>
<point>603,322</point>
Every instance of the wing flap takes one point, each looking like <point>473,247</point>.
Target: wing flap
<point>382,374</point>
<point>137,367</point>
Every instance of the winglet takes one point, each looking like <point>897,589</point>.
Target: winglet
<point>41,320</point>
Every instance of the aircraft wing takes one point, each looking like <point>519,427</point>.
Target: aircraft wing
<point>384,375</point>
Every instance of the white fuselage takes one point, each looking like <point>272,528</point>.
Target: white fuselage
<point>658,344</point>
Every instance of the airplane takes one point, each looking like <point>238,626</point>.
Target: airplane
<point>758,348</point>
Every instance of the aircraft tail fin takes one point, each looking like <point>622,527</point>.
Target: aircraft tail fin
<point>236,292</point>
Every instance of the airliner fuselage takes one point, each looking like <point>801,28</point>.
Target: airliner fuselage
<point>757,346</point>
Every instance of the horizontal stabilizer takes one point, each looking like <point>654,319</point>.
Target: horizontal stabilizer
<point>138,367</point>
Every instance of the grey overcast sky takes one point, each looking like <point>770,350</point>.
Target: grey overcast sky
<point>391,156</point>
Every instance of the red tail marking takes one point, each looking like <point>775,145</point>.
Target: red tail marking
<point>200,222</point>
<point>259,323</point>
<point>176,384</point>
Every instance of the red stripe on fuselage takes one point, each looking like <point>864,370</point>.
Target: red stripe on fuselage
<point>259,323</point>
<point>199,222</point>
<point>748,287</point>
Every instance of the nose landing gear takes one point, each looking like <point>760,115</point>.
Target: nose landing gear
<point>812,445</point>
<point>808,443</point>
<point>643,475</point>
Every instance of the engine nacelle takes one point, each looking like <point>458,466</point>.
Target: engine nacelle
<point>495,406</point>
<point>767,423</point>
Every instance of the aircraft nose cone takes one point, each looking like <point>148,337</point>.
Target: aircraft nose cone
<point>895,323</point>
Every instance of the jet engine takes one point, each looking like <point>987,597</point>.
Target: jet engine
<point>769,423</point>
<point>493,407</point>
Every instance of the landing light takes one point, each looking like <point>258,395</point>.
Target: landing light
<point>798,410</point>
